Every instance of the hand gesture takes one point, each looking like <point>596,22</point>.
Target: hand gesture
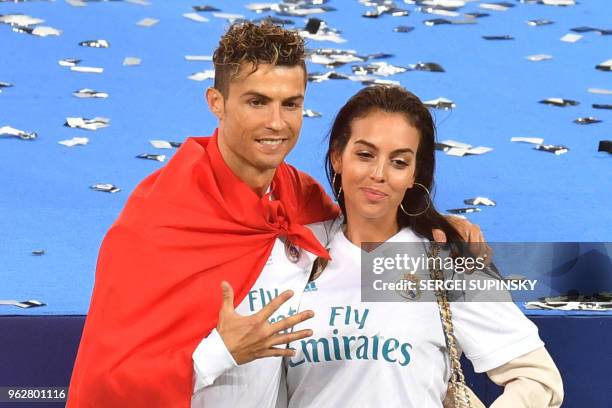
<point>251,337</point>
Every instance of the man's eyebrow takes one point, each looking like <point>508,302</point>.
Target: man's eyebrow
<point>295,97</point>
<point>256,95</point>
<point>396,151</point>
<point>267,98</point>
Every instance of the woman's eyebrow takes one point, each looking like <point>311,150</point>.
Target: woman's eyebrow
<point>396,151</point>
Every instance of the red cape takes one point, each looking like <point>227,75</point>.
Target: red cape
<point>184,229</point>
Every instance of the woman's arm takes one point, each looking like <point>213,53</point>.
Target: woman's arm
<point>531,380</point>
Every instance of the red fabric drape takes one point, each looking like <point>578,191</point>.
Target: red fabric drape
<point>184,229</point>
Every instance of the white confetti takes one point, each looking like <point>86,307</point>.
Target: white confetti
<point>202,75</point>
<point>95,44</point>
<point>445,3</point>
<point>75,141</point>
<point>480,201</point>
<point>533,140</point>
<point>371,80</point>
<point>89,93</point>
<point>309,113</point>
<point>139,2</point>
<point>76,3</point>
<point>198,57</point>
<point>605,66</point>
<point>440,12</point>
<point>557,150</point>
<point>453,143</point>
<point>155,157</point>
<point>107,188</point>
<point>42,31</point>
<point>69,62</point>
<point>195,17</point>
<point>559,2</point>
<point>11,131</point>
<point>161,144</point>
<point>325,36</point>
<point>91,70</point>
<point>23,304</point>
<point>378,68</point>
<point>20,20</point>
<point>131,61</point>
<point>600,91</point>
<point>571,37</point>
<point>147,22</point>
<point>440,103</point>
<point>87,124</point>
<point>539,57</point>
<point>460,149</point>
<point>494,7</point>
<point>230,17</point>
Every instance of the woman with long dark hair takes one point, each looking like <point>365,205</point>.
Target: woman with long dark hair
<point>381,163</point>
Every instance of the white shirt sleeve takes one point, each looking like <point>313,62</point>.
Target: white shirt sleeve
<point>493,333</point>
<point>210,359</point>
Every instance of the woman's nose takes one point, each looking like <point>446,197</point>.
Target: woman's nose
<point>378,171</point>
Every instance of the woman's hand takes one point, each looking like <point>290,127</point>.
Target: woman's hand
<point>471,234</point>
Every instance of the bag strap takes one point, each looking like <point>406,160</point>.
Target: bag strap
<point>461,397</point>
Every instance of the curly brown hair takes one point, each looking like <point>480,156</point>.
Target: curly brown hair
<point>254,44</point>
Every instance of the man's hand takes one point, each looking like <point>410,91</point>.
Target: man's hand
<point>251,337</point>
<point>471,234</point>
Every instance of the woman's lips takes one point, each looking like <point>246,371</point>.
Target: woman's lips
<point>373,194</point>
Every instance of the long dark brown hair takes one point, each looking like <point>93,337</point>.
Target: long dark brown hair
<point>395,99</point>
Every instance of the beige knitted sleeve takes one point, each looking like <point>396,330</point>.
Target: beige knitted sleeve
<point>530,381</point>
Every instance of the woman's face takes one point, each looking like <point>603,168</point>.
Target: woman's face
<point>377,165</point>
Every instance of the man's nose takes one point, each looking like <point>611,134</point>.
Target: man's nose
<point>275,119</point>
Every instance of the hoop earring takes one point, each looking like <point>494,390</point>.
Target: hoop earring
<point>426,208</point>
<point>334,186</point>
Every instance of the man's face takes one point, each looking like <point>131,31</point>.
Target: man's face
<point>260,120</point>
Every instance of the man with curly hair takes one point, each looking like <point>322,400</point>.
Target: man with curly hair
<point>164,328</point>
<point>226,213</point>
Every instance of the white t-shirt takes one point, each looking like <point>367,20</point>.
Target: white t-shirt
<point>218,380</point>
<point>391,354</point>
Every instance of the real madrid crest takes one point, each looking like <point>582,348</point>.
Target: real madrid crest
<point>408,286</point>
<point>292,252</point>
